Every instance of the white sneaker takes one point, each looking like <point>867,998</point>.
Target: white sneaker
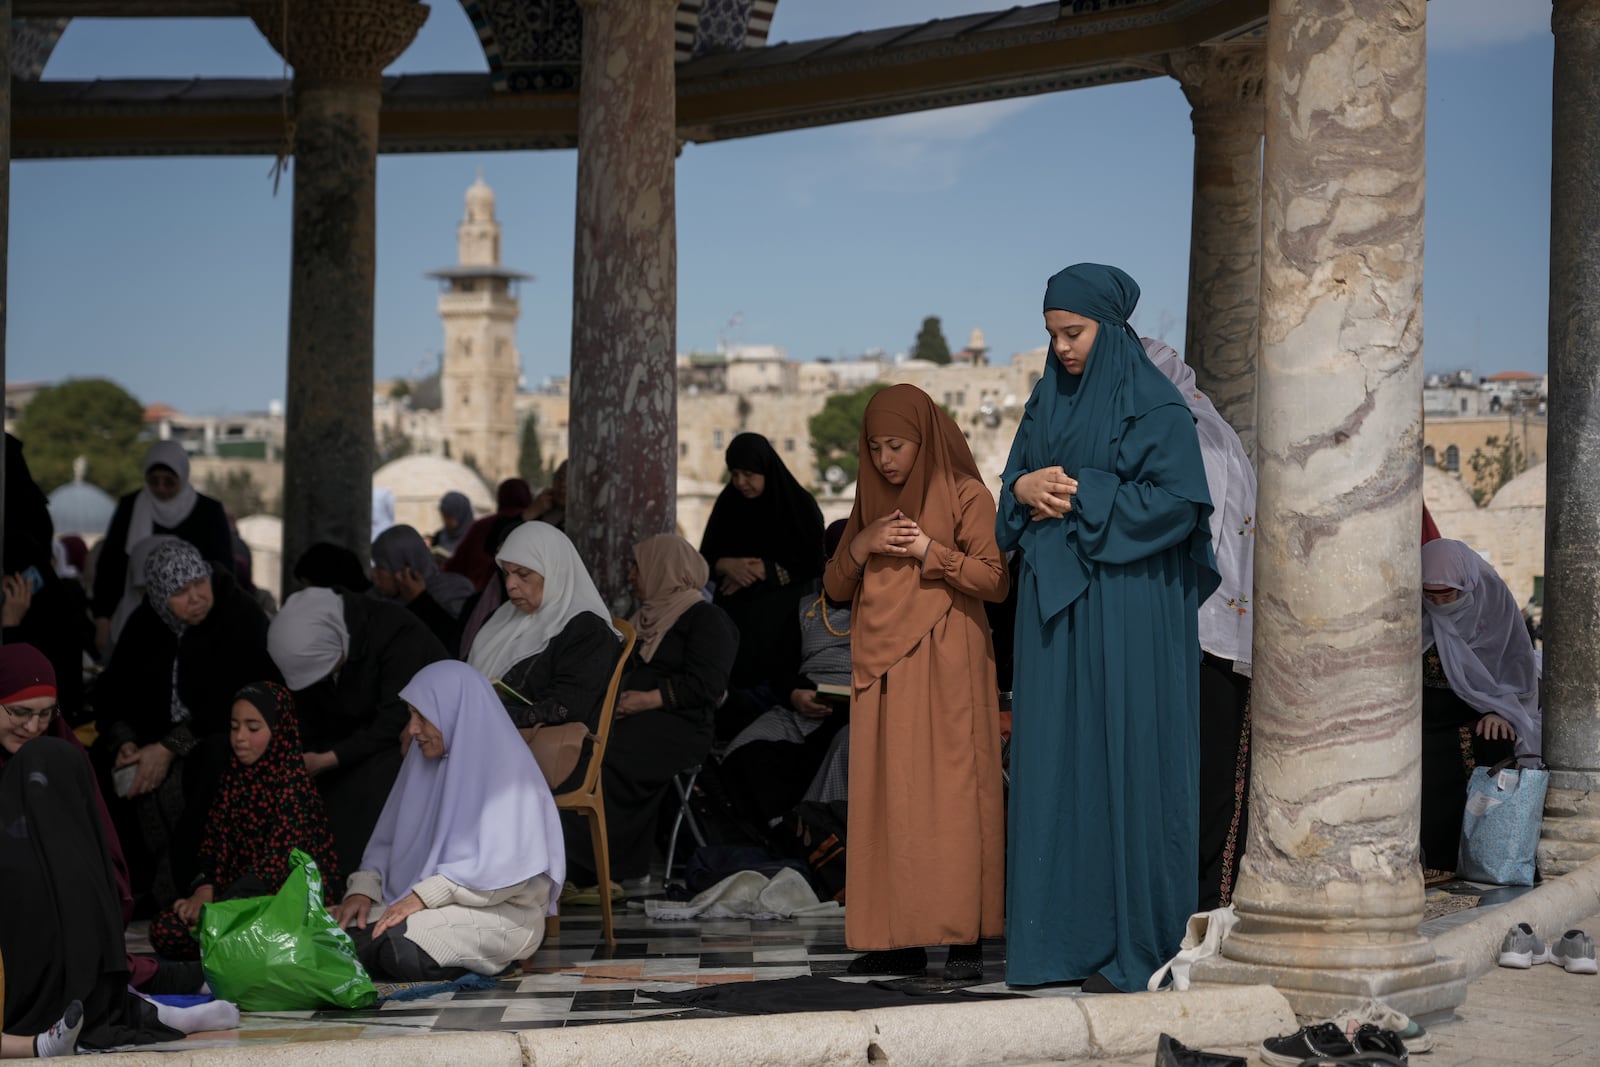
<point>1522,948</point>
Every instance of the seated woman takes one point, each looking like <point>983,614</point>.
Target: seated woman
<point>455,517</point>
<point>346,656</point>
<point>1480,695</point>
<point>472,556</point>
<point>162,709</point>
<point>406,572</point>
<point>167,504</point>
<point>265,807</point>
<point>763,544</point>
<point>67,966</point>
<point>465,861</point>
<point>663,721</point>
<point>550,645</point>
<point>767,768</point>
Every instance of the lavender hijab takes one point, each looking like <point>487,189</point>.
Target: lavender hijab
<point>481,815</point>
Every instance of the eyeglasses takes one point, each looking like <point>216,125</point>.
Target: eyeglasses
<point>44,715</point>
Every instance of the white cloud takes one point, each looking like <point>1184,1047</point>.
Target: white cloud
<point>1461,24</point>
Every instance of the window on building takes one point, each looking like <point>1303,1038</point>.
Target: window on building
<point>1494,404</point>
<point>1429,458</point>
<point>683,450</point>
<point>1452,459</point>
<point>961,398</point>
<point>716,438</point>
<point>788,444</point>
<point>947,398</point>
<point>1463,405</point>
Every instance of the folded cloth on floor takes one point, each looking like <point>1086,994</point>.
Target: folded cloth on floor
<point>747,895</point>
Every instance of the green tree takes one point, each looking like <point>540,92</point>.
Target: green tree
<point>530,456</point>
<point>1493,465</point>
<point>89,417</point>
<point>930,343</point>
<point>836,430</point>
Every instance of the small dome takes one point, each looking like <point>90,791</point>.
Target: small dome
<point>81,508</point>
<point>480,201</point>
<point>1444,492</point>
<point>418,483</point>
<point>1526,490</point>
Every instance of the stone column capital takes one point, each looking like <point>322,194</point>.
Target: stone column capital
<point>338,40</point>
<point>1223,84</point>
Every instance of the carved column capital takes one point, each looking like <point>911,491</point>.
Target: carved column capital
<point>338,40</point>
<point>1223,83</point>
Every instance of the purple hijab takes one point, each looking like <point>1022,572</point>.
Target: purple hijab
<point>481,815</point>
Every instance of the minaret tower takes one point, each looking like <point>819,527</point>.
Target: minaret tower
<point>478,378</point>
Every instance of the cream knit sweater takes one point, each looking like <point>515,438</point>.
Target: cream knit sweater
<point>482,931</point>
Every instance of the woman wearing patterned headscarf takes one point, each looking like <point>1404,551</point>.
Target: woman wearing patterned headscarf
<point>265,807</point>
<point>925,857</point>
<point>1105,494</point>
<point>163,705</point>
<point>167,504</point>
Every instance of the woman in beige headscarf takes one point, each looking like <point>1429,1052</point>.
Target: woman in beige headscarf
<point>677,675</point>
<point>926,847</point>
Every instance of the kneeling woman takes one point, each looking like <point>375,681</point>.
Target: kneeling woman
<point>463,865</point>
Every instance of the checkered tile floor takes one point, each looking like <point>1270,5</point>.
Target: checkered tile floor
<point>577,980</point>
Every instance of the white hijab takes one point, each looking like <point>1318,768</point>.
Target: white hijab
<point>149,511</point>
<point>1483,642</point>
<point>1225,618</point>
<point>510,636</point>
<point>308,637</point>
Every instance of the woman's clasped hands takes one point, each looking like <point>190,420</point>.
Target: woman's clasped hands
<point>1047,493</point>
<point>892,535</point>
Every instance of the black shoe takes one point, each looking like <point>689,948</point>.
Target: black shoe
<point>965,963</point>
<point>1169,1053</point>
<point>173,977</point>
<point>1371,1039</point>
<point>1099,983</point>
<point>893,961</point>
<point>1324,1040</point>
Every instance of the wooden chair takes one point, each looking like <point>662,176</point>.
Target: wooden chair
<point>587,799</point>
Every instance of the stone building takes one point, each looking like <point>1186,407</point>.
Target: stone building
<point>1448,442</point>
<point>480,371</point>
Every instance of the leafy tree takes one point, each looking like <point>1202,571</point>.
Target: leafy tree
<point>836,430</point>
<point>531,467</point>
<point>399,390</point>
<point>89,417</point>
<point>930,344</point>
<point>238,492</point>
<point>1493,465</point>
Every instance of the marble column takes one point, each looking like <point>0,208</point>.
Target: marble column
<point>5,215</point>
<point>1223,85</point>
<point>1330,891</point>
<point>622,472</point>
<point>338,49</point>
<point>1572,516</point>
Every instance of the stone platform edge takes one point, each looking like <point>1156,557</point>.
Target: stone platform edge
<point>938,1035</point>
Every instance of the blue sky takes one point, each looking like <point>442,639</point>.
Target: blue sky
<point>171,276</point>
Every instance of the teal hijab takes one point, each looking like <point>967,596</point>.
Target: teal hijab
<point>1080,422</point>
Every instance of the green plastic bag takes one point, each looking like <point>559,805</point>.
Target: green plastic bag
<point>283,952</point>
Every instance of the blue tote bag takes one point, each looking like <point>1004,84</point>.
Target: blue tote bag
<point>1500,830</point>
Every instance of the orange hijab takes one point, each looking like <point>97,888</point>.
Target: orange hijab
<point>895,607</point>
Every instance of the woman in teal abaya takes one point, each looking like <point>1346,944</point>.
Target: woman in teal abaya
<point>1105,495</point>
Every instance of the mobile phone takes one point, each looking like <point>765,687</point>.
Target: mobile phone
<point>122,778</point>
<point>34,579</point>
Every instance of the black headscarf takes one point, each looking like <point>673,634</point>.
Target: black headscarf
<point>783,524</point>
<point>332,566</point>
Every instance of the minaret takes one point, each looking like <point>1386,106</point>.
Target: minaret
<point>478,378</point>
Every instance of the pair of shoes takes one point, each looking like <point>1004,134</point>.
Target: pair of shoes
<point>1326,1043</point>
<point>965,963</point>
<point>1573,952</point>
<point>891,961</point>
<point>1169,1053</point>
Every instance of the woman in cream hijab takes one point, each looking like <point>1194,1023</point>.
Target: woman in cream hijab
<point>550,647</point>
